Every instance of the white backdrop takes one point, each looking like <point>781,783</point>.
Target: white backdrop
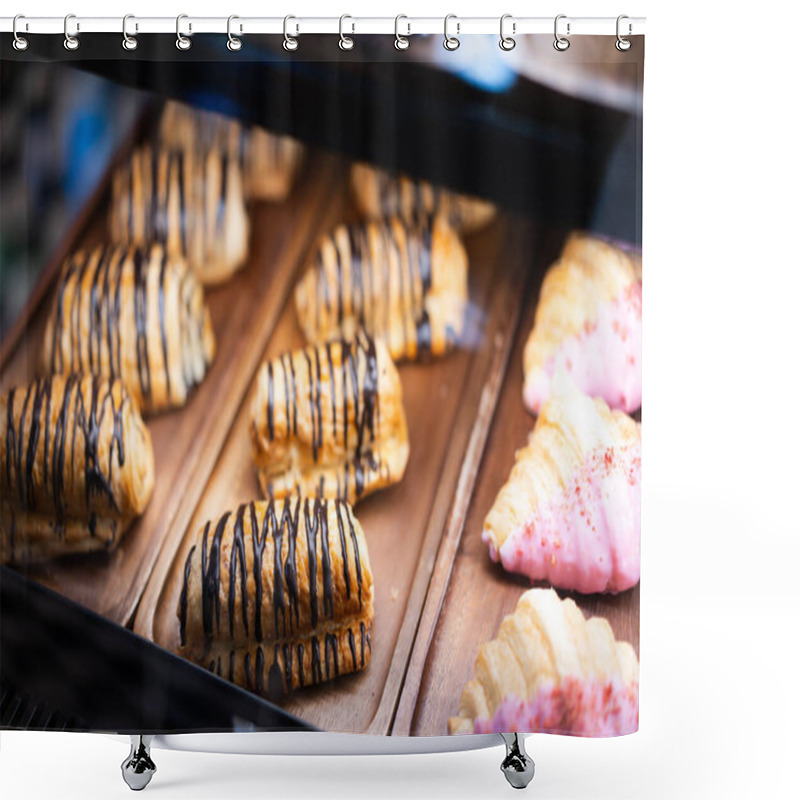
<point>720,609</point>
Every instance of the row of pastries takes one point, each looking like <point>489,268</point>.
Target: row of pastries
<point>569,515</point>
<point>277,594</point>
<point>129,333</point>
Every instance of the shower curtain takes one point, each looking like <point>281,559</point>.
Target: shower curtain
<point>321,383</point>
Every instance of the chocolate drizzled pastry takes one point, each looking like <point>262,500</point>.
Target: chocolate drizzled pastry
<point>190,200</point>
<point>76,467</point>
<point>134,314</point>
<point>269,162</point>
<point>380,194</point>
<point>329,420</point>
<point>403,282</point>
<point>277,595</point>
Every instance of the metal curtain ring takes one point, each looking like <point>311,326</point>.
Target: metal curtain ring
<point>182,42</point>
<point>20,42</point>
<point>401,42</point>
<point>234,43</point>
<point>451,42</point>
<point>289,42</point>
<point>345,42</point>
<point>70,42</point>
<point>561,43</point>
<point>129,42</point>
<point>507,42</point>
<point>622,44</point>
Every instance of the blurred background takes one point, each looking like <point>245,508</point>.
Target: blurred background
<point>552,135</point>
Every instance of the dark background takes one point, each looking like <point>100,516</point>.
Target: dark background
<point>464,120</point>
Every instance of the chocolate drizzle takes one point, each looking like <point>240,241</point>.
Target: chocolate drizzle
<point>367,292</point>
<point>145,190</point>
<point>237,555</point>
<point>297,652</point>
<point>425,198</point>
<point>37,452</point>
<point>109,296</point>
<point>352,385</point>
<point>184,599</point>
<point>140,321</point>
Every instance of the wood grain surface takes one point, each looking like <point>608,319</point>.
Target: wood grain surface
<point>470,595</point>
<point>403,524</point>
<point>186,441</point>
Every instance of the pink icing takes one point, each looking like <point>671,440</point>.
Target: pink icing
<point>604,359</point>
<point>587,537</point>
<point>577,707</point>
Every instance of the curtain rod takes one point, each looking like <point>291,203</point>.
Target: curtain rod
<point>74,25</point>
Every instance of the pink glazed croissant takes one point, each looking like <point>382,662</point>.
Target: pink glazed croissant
<point>550,670</point>
<point>588,323</point>
<point>570,513</point>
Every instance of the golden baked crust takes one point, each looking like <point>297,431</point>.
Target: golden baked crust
<point>329,420</point>
<point>191,201</point>
<point>269,162</point>
<point>379,194</point>
<point>404,283</point>
<point>77,467</point>
<point>278,595</point>
<point>544,641</point>
<point>134,314</point>
<point>589,271</point>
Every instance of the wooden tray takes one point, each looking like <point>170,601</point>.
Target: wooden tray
<point>469,594</point>
<point>449,404</point>
<point>186,441</point>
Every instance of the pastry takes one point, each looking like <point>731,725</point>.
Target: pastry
<point>404,283</point>
<point>589,323</point>
<point>329,420</point>
<point>551,671</point>
<point>570,512</point>
<point>379,194</point>
<point>76,467</point>
<point>269,162</point>
<point>135,314</point>
<point>277,595</point>
<point>191,200</point>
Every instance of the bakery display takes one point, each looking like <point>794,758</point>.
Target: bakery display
<point>589,324</point>
<point>570,511</point>
<point>329,420</point>
<point>76,467</point>
<point>269,162</point>
<point>132,313</point>
<point>550,670</point>
<point>380,194</point>
<point>278,595</point>
<point>403,282</point>
<point>190,200</point>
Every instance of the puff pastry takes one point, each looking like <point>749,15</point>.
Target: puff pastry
<point>570,512</point>
<point>379,194</point>
<point>190,200</point>
<point>405,283</point>
<point>269,162</point>
<point>329,420</point>
<point>134,314</point>
<point>277,595</point>
<point>551,671</point>
<point>76,467</point>
<point>589,323</point>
